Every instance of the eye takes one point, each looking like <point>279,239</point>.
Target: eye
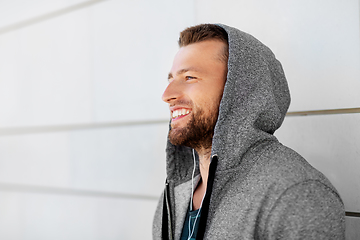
<point>190,78</point>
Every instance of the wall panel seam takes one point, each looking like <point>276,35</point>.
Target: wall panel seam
<point>324,112</point>
<point>47,16</point>
<point>89,193</point>
<point>84,126</point>
<point>352,214</point>
<point>8,187</point>
<point>74,127</point>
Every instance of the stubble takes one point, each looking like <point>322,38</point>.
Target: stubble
<point>198,133</point>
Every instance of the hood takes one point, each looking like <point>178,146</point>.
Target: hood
<point>254,103</point>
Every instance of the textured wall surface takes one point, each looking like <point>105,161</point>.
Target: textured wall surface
<point>83,127</point>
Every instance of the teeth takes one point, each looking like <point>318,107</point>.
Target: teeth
<point>178,113</point>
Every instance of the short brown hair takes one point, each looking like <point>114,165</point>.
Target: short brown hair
<point>204,32</point>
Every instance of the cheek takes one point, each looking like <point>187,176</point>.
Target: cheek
<point>209,105</point>
<point>206,97</point>
<point>216,94</point>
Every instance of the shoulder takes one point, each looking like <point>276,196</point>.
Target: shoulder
<point>294,198</point>
<point>306,210</point>
<point>280,165</point>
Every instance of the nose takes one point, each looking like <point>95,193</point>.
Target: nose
<point>172,92</point>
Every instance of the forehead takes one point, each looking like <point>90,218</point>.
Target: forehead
<point>205,54</point>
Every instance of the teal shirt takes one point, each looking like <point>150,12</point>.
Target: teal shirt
<point>192,215</point>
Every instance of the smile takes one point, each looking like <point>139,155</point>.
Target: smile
<point>180,112</point>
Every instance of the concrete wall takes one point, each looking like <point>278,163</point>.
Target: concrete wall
<point>83,127</point>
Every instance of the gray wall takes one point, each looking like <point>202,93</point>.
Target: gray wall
<point>83,127</point>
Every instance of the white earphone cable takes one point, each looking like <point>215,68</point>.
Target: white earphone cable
<point>191,232</point>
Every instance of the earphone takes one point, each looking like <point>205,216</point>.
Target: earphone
<point>191,232</point>
<point>192,180</point>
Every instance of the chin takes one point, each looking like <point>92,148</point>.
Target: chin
<point>177,137</point>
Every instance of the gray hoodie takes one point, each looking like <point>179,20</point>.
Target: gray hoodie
<point>257,188</point>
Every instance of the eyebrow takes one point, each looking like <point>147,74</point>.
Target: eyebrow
<point>184,70</point>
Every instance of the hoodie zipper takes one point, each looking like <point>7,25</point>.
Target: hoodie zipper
<point>168,211</point>
<point>167,226</point>
<point>206,202</point>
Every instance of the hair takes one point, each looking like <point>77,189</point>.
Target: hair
<point>204,32</point>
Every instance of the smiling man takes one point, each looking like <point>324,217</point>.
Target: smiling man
<point>228,177</point>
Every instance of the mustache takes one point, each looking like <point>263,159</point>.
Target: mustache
<point>182,102</point>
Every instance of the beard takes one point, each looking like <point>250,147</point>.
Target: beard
<point>198,133</point>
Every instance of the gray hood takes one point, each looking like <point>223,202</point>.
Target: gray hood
<point>254,103</point>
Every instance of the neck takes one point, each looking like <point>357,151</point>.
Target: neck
<point>204,164</point>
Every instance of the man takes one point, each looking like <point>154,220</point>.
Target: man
<point>227,95</point>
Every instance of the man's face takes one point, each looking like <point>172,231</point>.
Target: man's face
<point>196,84</point>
